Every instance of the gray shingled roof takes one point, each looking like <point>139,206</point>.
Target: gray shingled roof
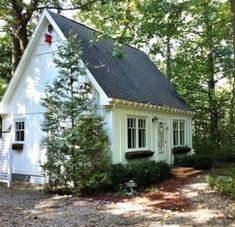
<point>133,78</point>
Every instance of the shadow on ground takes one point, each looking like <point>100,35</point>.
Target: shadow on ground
<point>200,206</point>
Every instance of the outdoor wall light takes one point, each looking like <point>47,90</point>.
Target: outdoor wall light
<point>155,119</point>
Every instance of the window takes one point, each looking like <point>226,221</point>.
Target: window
<point>19,131</point>
<point>136,131</point>
<point>178,133</point>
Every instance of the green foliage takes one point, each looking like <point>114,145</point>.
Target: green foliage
<point>185,161</point>
<point>225,152</point>
<point>197,161</point>
<point>143,173</point>
<point>203,161</point>
<point>5,60</point>
<point>77,145</point>
<point>191,41</point>
<point>223,181</point>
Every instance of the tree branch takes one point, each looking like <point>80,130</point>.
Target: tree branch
<point>17,9</point>
<point>28,14</point>
<point>69,8</point>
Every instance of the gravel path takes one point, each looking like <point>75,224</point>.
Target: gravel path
<point>30,207</point>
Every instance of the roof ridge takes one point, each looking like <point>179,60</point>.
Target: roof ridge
<point>73,20</point>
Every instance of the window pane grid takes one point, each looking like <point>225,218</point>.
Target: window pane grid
<point>131,122</point>
<point>136,129</point>
<point>178,133</point>
<point>19,131</point>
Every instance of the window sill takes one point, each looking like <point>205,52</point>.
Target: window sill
<point>139,154</point>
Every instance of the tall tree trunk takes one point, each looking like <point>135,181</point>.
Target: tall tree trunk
<point>21,18</point>
<point>23,37</point>
<point>168,58</point>
<point>20,41</point>
<point>16,53</point>
<point>232,100</point>
<point>212,101</point>
<point>168,51</point>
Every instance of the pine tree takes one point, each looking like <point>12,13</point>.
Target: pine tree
<point>77,145</point>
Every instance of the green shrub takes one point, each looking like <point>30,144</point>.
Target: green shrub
<point>195,161</point>
<point>119,174</point>
<point>164,170</point>
<point>203,162</point>
<point>185,161</point>
<point>224,157</point>
<point>142,172</point>
<point>224,152</point>
<point>223,183</point>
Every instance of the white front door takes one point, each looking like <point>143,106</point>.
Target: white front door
<point>162,141</point>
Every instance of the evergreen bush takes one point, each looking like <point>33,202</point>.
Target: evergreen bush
<point>77,145</point>
<point>143,173</point>
<point>201,161</point>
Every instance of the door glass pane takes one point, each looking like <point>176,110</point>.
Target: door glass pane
<point>161,132</point>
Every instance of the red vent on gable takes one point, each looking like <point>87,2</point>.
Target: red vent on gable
<point>48,38</point>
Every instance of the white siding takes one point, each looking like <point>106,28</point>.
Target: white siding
<point>25,103</point>
<point>119,136</point>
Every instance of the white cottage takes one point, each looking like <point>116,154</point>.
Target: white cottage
<point>145,116</point>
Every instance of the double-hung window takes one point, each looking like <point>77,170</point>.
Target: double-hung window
<point>178,133</point>
<point>136,133</point>
<point>19,131</point>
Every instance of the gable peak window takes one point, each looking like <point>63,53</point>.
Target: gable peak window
<point>136,133</point>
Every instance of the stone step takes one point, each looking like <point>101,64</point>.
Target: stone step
<point>185,173</point>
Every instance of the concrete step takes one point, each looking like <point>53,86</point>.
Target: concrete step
<point>181,172</point>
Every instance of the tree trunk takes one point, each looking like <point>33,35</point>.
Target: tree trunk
<point>168,58</point>
<point>232,100</point>
<point>214,115</point>
<point>21,18</point>
<point>16,53</point>
<point>23,37</point>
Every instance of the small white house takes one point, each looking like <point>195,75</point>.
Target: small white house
<point>144,115</point>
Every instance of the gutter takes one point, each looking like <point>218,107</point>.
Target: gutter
<point>125,103</point>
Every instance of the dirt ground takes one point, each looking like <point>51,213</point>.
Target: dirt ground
<point>177,202</point>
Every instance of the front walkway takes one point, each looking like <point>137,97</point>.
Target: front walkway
<point>179,203</point>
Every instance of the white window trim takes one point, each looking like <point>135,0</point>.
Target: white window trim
<point>14,130</point>
<point>178,122</point>
<point>137,148</point>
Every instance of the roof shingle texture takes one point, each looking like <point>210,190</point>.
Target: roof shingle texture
<point>133,77</point>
